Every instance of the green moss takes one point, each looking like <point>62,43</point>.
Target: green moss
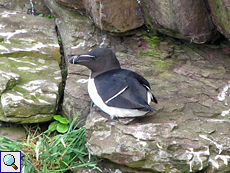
<point>149,53</point>
<point>22,54</point>
<point>163,65</point>
<point>151,29</point>
<point>216,4</point>
<point>34,61</point>
<point>177,47</point>
<point>165,75</point>
<point>154,40</point>
<point>12,83</point>
<point>153,50</point>
<point>20,90</point>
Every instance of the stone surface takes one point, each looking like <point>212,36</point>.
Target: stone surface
<point>185,20</point>
<point>189,132</point>
<point>108,167</point>
<point>34,7</point>
<point>76,32</point>
<point>30,84</point>
<point>14,133</point>
<point>179,19</point>
<point>220,15</point>
<point>114,16</point>
<point>72,4</point>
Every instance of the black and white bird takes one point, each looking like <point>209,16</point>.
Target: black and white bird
<point>118,92</point>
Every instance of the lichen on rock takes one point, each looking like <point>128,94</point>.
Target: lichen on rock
<point>31,81</point>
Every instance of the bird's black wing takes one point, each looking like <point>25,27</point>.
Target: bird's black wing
<point>144,82</point>
<point>124,89</point>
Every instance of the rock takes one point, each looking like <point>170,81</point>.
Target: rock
<point>220,13</point>
<point>189,131</point>
<point>33,7</point>
<point>14,133</point>
<point>72,4</point>
<point>31,82</point>
<point>189,21</point>
<point>76,32</point>
<point>114,16</point>
<point>180,19</point>
<point>107,167</point>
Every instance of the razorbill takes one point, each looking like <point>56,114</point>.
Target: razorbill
<point>118,92</point>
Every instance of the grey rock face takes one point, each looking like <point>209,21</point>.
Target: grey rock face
<point>33,7</point>
<point>114,16</point>
<point>77,36</point>
<point>191,21</point>
<point>30,83</point>
<point>220,13</point>
<point>189,132</point>
<point>187,20</point>
<point>14,133</point>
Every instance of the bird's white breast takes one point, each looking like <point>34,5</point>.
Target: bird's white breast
<point>112,111</point>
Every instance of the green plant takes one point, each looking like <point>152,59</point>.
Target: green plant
<point>59,39</point>
<point>65,70</point>
<point>49,154</point>
<point>61,124</point>
<point>91,104</point>
<point>49,16</point>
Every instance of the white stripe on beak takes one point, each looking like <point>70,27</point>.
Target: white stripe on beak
<point>75,57</point>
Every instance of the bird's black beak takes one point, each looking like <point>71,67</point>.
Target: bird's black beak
<point>78,59</point>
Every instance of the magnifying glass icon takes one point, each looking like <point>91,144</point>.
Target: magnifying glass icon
<point>9,160</point>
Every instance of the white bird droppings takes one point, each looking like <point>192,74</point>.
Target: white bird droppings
<point>6,14</point>
<point>82,81</point>
<point>8,35</point>
<point>219,146</point>
<point>221,96</point>
<point>224,113</point>
<point>194,156</point>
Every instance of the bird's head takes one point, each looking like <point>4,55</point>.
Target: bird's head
<point>98,60</point>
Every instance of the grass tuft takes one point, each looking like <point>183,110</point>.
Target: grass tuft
<point>57,153</point>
